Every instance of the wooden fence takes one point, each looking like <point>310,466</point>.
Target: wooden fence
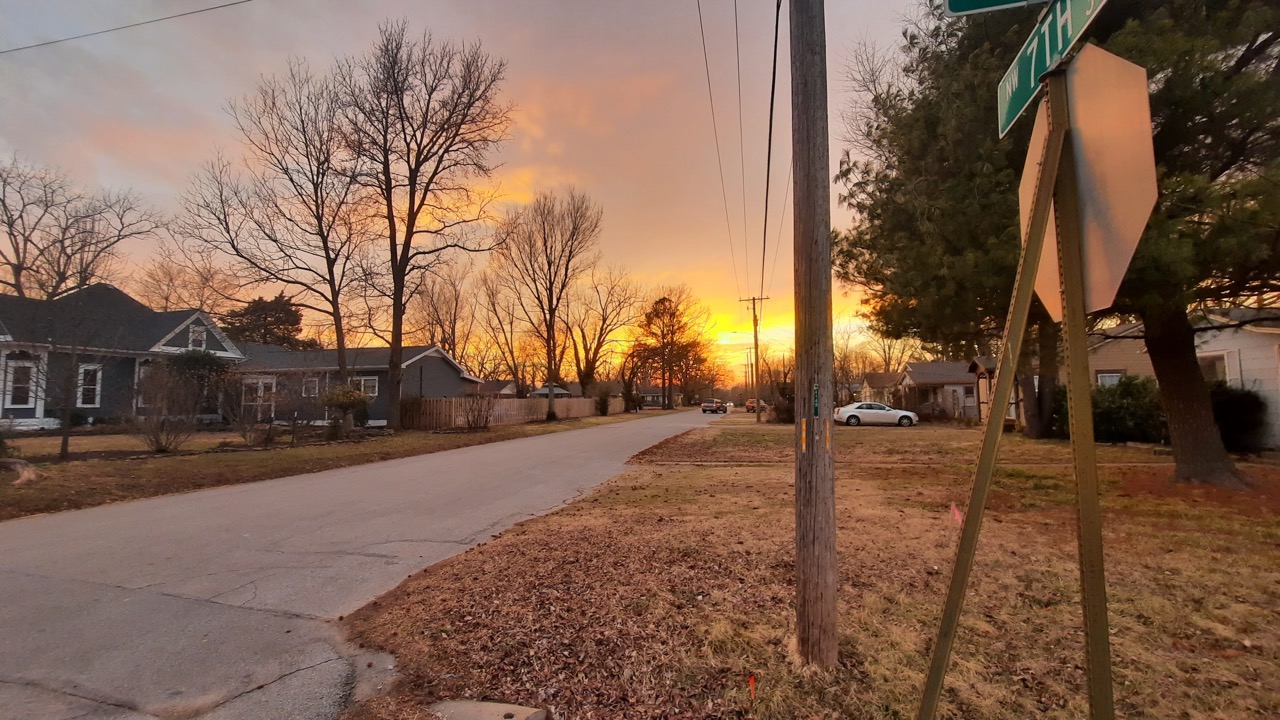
<point>454,413</point>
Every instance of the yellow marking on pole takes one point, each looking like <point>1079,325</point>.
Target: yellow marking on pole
<point>804,436</point>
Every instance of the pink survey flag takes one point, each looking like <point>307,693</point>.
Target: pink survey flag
<point>955,513</point>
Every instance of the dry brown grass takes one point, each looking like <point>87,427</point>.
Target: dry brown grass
<point>87,483</point>
<point>660,595</point>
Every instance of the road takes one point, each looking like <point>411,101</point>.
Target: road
<point>219,604</point>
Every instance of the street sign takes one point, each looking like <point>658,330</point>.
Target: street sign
<point>955,8</point>
<point>1059,28</point>
<point>1110,111</point>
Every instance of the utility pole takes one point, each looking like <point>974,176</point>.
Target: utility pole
<point>755,331</point>
<point>816,630</point>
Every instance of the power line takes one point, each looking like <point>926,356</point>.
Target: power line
<point>124,27</point>
<point>768,157</point>
<point>782,221</point>
<point>715,127</point>
<point>742,155</point>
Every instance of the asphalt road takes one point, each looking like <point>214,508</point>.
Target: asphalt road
<point>218,603</point>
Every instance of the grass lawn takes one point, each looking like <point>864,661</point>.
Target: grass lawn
<point>660,595</point>
<point>86,483</point>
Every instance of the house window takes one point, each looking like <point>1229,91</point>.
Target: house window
<point>1109,379</point>
<point>258,398</point>
<point>310,387</point>
<point>1214,368</point>
<point>196,336</point>
<point>367,384</point>
<point>89,387</point>
<point>20,384</point>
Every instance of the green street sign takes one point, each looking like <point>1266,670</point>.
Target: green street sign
<point>1059,28</point>
<point>956,8</point>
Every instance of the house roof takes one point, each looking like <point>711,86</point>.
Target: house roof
<point>1264,319</point>
<point>542,392</point>
<point>99,316</point>
<point>273,358</point>
<point>495,387</point>
<point>983,363</point>
<point>938,373</point>
<point>880,380</point>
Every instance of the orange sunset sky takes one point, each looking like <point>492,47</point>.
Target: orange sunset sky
<point>611,97</point>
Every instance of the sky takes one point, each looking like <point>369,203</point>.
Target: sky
<point>611,98</point>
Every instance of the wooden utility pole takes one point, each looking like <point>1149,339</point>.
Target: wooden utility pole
<point>814,395</point>
<point>755,340</point>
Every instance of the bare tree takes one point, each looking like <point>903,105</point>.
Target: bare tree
<point>175,279</point>
<point>444,312</point>
<point>59,238</point>
<point>422,117</point>
<point>547,246</point>
<point>505,333</point>
<point>291,215</point>
<point>671,328</point>
<point>601,307</point>
<point>893,353</point>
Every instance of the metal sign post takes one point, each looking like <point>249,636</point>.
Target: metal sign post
<point>1089,189</point>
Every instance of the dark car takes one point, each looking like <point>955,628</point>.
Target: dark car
<point>712,405</point>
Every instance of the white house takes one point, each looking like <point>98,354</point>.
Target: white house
<point>1247,357</point>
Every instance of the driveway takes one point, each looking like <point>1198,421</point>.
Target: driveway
<point>217,604</point>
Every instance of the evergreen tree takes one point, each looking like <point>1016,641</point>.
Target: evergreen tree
<point>271,322</point>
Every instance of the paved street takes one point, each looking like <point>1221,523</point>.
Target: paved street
<point>216,604</point>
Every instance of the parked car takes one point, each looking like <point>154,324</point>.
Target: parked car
<point>871,413</point>
<point>712,405</point>
<point>752,403</point>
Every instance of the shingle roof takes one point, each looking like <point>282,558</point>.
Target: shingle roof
<point>1255,317</point>
<point>938,373</point>
<point>881,380</point>
<point>273,358</point>
<point>99,316</point>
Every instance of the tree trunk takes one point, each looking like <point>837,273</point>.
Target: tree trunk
<point>395,374</point>
<point>1038,404</point>
<point>552,376</point>
<point>1198,452</point>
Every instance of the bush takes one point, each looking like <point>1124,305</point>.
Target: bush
<point>172,408</point>
<point>1128,411</point>
<point>602,402</point>
<point>1241,416</point>
<point>783,411</point>
<point>477,411</point>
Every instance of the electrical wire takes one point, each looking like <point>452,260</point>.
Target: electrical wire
<point>742,155</point>
<point>768,158</point>
<point>782,221</point>
<point>715,127</point>
<point>123,27</point>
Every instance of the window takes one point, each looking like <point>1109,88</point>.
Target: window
<point>20,384</point>
<point>310,387</point>
<point>89,387</point>
<point>1214,368</point>
<point>195,337</point>
<point>1109,379</point>
<point>968,391</point>
<point>367,384</point>
<point>258,399</point>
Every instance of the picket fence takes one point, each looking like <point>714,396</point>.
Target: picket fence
<point>451,413</point>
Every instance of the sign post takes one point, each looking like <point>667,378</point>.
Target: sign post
<point>1088,189</point>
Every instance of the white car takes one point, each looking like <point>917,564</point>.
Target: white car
<point>871,413</point>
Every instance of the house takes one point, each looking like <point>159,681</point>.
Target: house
<point>881,387</point>
<point>1115,352</point>
<point>939,389</point>
<point>499,388</point>
<point>1245,356</point>
<point>983,368</point>
<point>90,348</point>
<point>279,384</point>
<point>560,391</point>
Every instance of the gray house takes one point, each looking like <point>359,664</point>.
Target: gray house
<point>279,384</point>
<point>88,349</point>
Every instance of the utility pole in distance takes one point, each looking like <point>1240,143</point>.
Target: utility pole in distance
<point>755,371</point>
<point>816,629</point>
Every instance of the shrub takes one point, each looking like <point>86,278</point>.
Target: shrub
<point>1128,411</point>
<point>477,411</point>
<point>783,410</point>
<point>1241,416</point>
<point>172,408</point>
<point>602,402</point>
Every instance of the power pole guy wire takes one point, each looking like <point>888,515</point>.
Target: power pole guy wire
<point>715,128</point>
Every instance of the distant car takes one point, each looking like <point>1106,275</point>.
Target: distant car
<point>871,413</point>
<point>752,403</point>
<point>712,405</point>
